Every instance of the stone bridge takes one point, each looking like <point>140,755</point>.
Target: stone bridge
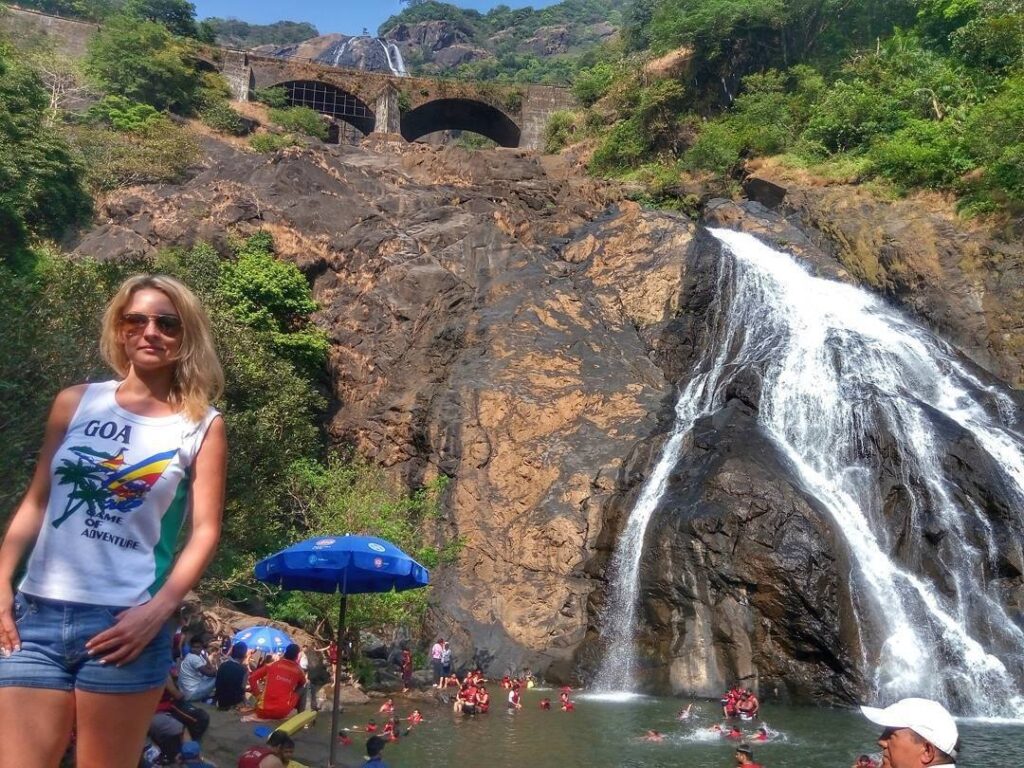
<point>373,102</point>
<point>413,107</point>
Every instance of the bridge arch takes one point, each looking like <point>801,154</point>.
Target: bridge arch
<point>330,100</point>
<point>463,115</point>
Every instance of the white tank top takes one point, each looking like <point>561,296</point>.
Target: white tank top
<point>119,494</point>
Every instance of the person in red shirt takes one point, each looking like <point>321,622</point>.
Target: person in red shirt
<point>283,683</point>
<point>745,757</point>
<point>276,754</point>
<point>483,701</point>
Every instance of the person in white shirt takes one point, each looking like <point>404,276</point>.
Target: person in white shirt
<point>196,675</point>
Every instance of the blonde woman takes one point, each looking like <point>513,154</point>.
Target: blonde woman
<point>85,641</point>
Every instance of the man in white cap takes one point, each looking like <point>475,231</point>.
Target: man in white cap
<point>918,733</point>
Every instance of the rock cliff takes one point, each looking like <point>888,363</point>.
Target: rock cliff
<point>498,319</point>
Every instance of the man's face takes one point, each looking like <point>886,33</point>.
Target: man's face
<point>902,748</point>
<point>741,758</point>
<point>286,754</point>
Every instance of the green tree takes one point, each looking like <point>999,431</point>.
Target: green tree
<point>177,16</point>
<point>144,62</point>
<point>272,297</point>
<point>41,183</point>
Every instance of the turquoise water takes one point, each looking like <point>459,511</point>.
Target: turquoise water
<point>606,734</point>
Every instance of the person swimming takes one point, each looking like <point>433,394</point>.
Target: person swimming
<point>545,703</point>
<point>865,761</point>
<point>416,717</point>
<point>761,734</point>
<point>388,707</point>
<point>686,713</point>
<point>653,735</point>
<point>734,733</point>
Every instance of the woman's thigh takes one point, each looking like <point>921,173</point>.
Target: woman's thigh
<point>112,727</point>
<point>25,743</point>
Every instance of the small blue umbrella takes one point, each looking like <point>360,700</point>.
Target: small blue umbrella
<point>347,564</point>
<point>268,639</point>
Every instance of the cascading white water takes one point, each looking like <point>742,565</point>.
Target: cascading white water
<point>394,57</point>
<point>837,366</point>
<point>339,52</point>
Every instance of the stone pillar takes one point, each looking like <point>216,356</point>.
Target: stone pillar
<point>388,114</point>
<point>238,73</point>
<point>541,102</point>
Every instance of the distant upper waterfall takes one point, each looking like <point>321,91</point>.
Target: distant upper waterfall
<point>839,368</point>
<point>394,57</point>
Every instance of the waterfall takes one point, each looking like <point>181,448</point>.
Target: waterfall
<point>339,52</point>
<point>838,368</point>
<point>396,53</point>
<point>393,54</point>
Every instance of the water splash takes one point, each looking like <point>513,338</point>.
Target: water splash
<point>838,368</point>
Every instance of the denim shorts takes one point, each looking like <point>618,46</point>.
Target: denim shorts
<point>53,637</point>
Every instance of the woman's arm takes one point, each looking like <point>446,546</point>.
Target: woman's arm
<point>135,627</point>
<point>28,518</point>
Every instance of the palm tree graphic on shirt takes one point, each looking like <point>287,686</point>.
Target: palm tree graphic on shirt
<point>103,482</point>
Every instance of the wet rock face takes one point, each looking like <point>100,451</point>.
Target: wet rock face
<point>486,323</point>
<point>500,320</point>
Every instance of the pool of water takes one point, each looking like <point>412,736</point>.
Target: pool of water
<point>605,733</point>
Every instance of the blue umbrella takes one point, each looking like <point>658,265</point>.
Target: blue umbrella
<point>269,639</point>
<point>346,564</point>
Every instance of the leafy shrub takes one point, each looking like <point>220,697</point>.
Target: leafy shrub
<point>851,115</point>
<point>624,146</point>
<point>272,297</point>
<point>221,117</point>
<point>271,142</point>
<point>158,152</point>
<point>301,119</point>
<point>924,153</point>
<point>718,148</point>
<point>995,136</point>
<point>559,131</point>
<point>591,84</point>
<point>275,96</point>
<point>123,114</point>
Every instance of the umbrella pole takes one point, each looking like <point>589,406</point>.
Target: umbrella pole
<point>342,605</point>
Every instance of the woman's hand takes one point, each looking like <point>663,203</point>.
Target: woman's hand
<point>10,641</point>
<point>133,629</point>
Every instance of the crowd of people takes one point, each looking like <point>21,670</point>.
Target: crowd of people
<point>740,702</point>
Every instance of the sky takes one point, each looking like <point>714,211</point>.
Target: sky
<point>347,16</point>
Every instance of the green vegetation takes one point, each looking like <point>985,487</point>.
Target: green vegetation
<point>271,142</point>
<point>275,96</point>
<point>41,182</point>
<point>142,61</point>
<point>919,93</point>
<point>283,482</point>
<point>232,33</point>
<point>221,117</point>
<point>300,119</point>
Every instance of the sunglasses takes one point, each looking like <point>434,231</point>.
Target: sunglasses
<point>137,322</point>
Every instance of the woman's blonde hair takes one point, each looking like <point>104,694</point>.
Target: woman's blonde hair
<point>198,377</point>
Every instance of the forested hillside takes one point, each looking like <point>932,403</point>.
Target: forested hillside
<point>521,45</point>
<point>234,33</point>
<point>914,93</point>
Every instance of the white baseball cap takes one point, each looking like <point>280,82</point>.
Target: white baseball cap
<point>927,718</point>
